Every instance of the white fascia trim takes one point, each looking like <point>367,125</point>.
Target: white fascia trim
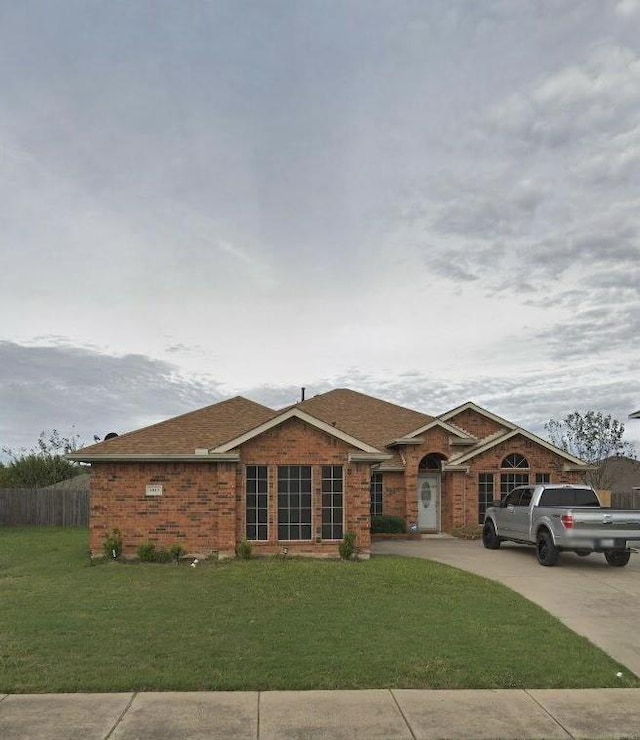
<point>580,464</point>
<point>370,457</point>
<point>459,442</point>
<point>406,441</point>
<point>303,416</point>
<point>479,410</point>
<point>578,468</point>
<point>447,427</point>
<point>382,468</point>
<point>635,415</point>
<point>455,468</point>
<point>114,457</point>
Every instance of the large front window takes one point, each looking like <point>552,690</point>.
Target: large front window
<point>294,502</point>
<point>257,502</point>
<point>332,502</point>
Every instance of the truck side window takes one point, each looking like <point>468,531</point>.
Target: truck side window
<point>525,498</point>
<point>511,499</point>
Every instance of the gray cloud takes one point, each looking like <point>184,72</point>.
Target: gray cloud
<point>65,387</point>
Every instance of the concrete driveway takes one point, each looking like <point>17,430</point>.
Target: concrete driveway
<point>592,598</point>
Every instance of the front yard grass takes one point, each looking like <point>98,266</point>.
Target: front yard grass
<point>271,624</point>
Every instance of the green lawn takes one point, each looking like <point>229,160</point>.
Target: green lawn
<point>270,624</point>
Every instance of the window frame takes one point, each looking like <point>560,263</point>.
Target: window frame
<point>375,493</point>
<point>509,481</point>
<point>257,524</point>
<point>331,482</point>
<point>514,461</point>
<point>483,502</point>
<point>291,481</point>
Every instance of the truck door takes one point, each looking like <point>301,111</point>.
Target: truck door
<point>520,518</point>
<point>508,512</point>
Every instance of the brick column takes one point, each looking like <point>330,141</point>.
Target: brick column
<point>225,497</point>
<point>358,505</point>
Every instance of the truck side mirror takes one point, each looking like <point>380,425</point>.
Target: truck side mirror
<point>496,503</point>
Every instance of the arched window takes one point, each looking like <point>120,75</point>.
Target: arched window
<point>511,479</point>
<point>515,461</point>
<point>433,461</point>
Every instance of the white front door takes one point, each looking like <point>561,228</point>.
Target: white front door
<point>429,502</point>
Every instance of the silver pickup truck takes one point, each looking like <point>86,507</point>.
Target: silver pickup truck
<point>556,517</point>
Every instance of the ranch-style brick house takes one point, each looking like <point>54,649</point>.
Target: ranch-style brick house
<point>299,478</point>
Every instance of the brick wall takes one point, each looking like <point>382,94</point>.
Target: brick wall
<point>394,494</point>
<point>476,424</point>
<point>202,506</point>
<point>298,443</point>
<point>188,512</point>
<point>459,490</point>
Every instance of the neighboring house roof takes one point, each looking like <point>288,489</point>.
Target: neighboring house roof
<point>366,418</point>
<point>182,435</point>
<point>77,483</point>
<point>622,474</point>
<point>635,415</point>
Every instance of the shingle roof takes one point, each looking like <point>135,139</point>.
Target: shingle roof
<point>367,418</point>
<point>635,415</point>
<point>207,427</point>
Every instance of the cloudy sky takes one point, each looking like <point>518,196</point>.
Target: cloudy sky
<point>431,202</point>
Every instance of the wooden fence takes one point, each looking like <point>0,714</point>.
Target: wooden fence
<point>630,500</point>
<point>44,508</point>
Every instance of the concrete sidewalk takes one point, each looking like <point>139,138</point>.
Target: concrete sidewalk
<point>406,713</point>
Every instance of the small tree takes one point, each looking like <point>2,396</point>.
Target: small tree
<point>42,465</point>
<point>594,438</point>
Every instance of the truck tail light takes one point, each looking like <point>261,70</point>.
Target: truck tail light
<point>567,521</point>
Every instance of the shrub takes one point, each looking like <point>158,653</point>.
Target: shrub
<point>388,525</point>
<point>162,556</point>
<point>177,551</point>
<point>244,549</point>
<point>112,545</point>
<point>347,547</point>
<point>147,552</point>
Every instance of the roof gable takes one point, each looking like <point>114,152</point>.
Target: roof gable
<point>451,428</point>
<point>297,413</point>
<point>470,406</point>
<point>497,439</point>
<point>635,415</point>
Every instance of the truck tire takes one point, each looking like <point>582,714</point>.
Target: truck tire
<point>546,551</point>
<point>489,537</point>
<point>617,558</point>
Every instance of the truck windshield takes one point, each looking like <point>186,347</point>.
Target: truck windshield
<point>568,497</point>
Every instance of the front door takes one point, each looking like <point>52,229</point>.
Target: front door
<point>429,502</point>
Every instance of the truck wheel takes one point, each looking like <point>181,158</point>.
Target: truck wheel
<point>489,537</point>
<point>546,551</point>
<point>617,558</point>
